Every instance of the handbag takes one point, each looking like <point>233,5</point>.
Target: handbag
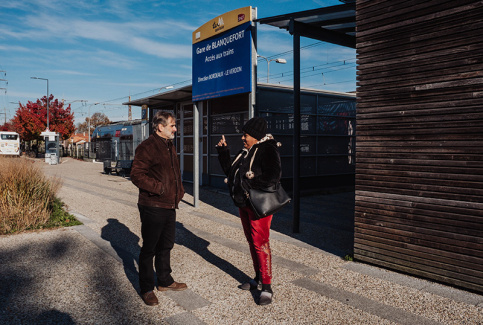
<point>267,201</point>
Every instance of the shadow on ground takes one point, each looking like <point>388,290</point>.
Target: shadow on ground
<point>126,245</point>
<point>17,280</point>
<point>326,220</point>
<point>200,246</point>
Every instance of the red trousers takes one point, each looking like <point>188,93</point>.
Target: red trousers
<point>257,233</point>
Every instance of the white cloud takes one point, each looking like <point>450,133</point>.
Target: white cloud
<point>11,48</point>
<point>130,35</point>
<point>72,72</point>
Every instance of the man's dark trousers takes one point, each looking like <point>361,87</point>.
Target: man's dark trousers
<point>158,232</point>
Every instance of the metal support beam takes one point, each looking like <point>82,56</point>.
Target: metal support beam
<point>296,147</point>
<point>321,34</point>
<point>196,153</point>
<point>252,100</point>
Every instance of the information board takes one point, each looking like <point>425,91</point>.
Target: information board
<point>222,64</point>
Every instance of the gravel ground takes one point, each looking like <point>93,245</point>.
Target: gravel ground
<point>88,274</point>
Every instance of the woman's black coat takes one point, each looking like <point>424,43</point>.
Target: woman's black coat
<point>266,168</point>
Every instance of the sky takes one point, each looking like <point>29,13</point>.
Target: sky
<point>95,54</point>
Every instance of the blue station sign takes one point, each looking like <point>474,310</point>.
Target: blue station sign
<point>222,64</point>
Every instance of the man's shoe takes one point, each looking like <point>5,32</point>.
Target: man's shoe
<point>265,298</point>
<point>250,285</point>
<point>175,286</point>
<point>150,298</point>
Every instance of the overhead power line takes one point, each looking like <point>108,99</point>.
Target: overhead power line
<point>190,80</point>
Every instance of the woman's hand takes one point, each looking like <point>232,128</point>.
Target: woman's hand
<point>222,142</point>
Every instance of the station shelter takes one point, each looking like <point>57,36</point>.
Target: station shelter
<point>327,141</point>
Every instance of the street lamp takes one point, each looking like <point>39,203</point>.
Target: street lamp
<point>167,87</point>
<point>89,122</point>
<point>46,99</point>
<point>278,60</point>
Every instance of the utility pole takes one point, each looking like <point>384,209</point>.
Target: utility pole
<point>6,83</point>
<point>129,112</point>
<point>89,121</point>
<point>4,113</point>
<point>47,99</point>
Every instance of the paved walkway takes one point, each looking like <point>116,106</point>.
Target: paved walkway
<point>88,274</point>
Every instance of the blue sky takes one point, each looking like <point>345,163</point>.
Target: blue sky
<point>104,51</point>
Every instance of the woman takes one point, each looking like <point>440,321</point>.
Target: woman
<point>256,166</point>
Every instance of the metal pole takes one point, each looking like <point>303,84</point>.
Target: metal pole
<point>47,99</point>
<point>89,123</point>
<point>47,104</point>
<point>268,65</point>
<point>268,69</point>
<point>196,153</point>
<point>296,147</point>
<point>252,97</point>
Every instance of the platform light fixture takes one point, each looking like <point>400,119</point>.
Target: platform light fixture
<point>47,99</point>
<point>277,60</point>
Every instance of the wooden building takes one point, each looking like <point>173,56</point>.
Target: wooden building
<point>419,152</point>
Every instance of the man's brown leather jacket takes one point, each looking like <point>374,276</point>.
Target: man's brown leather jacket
<point>155,171</point>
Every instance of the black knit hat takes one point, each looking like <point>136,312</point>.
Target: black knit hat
<point>256,127</point>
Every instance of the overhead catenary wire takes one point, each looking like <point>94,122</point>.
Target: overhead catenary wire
<point>288,75</point>
<point>190,80</point>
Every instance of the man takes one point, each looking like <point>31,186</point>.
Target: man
<point>155,171</point>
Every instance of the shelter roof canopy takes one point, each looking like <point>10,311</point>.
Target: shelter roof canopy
<point>335,24</point>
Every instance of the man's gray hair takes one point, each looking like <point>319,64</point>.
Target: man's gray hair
<point>161,117</point>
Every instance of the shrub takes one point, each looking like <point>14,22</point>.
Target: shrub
<point>27,196</point>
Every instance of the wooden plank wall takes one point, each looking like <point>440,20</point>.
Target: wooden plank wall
<point>419,155</point>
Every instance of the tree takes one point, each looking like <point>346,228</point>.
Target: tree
<point>7,126</point>
<point>31,119</point>
<point>97,119</point>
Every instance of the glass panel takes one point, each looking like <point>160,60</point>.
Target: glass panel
<point>308,104</point>
<point>335,125</point>
<point>308,145</point>
<point>234,142</point>
<point>287,144</point>
<point>284,123</point>
<point>228,124</point>
<point>287,166</point>
<point>307,166</point>
<point>188,127</point>
<point>188,110</point>
<point>307,124</point>
<point>188,145</point>
<point>335,145</point>
<point>229,104</point>
<point>188,163</point>
<point>276,101</point>
<point>335,165</point>
<point>278,123</point>
<point>205,108</point>
<point>336,106</point>
<point>205,126</point>
<point>204,145</point>
<point>215,167</point>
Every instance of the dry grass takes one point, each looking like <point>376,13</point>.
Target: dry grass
<point>26,195</point>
